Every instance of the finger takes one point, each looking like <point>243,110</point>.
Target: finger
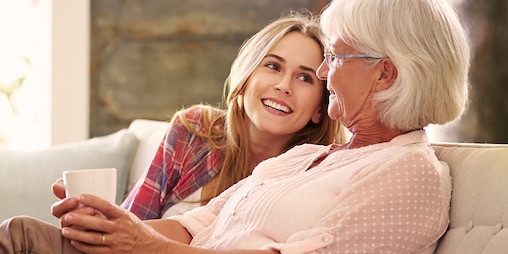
<point>59,188</point>
<point>88,222</point>
<point>108,209</point>
<point>64,206</point>
<point>87,241</point>
<point>83,236</point>
<point>81,210</point>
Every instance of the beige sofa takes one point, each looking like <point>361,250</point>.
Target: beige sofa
<point>479,207</point>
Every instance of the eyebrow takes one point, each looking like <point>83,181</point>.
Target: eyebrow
<point>305,68</point>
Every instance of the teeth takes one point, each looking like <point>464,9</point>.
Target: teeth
<point>276,106</point>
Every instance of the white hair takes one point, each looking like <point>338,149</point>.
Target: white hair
<point>428,46</point>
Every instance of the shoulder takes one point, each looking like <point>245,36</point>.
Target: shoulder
<point>418,163</point>
<point>413,154</point>
<point>199,111</point>
<point>199,117</point>
<point>404,161</point>
<point>420,155</point>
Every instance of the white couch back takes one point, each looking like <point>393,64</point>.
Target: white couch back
<point>479,206</point>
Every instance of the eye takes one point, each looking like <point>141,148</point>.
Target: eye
<point>272,66</point>
<point>339,61</point>
<point>335,60</point>
<point>306,78</point>
<point>330,58</point>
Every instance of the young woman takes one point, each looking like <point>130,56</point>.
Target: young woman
<point>274,102</point>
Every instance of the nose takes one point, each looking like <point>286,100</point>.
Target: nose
<point>284,85</point>
<point>322,71</point>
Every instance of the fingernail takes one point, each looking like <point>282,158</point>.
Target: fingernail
<point>69,217</point>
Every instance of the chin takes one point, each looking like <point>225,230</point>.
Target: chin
<point>334,114</point>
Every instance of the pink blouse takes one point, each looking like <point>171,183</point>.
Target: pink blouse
<point>386,198</point>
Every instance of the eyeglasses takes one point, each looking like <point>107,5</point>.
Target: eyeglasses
<point>337,60</point>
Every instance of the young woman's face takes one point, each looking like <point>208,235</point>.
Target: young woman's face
<point>283,93</point>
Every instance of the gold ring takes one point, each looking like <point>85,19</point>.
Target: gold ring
<point>103,239</point>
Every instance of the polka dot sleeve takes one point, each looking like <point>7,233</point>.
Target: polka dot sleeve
<point>401,207</point>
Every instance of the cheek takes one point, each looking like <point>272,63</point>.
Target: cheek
<point>249,88</point>
<point>335,109</point>
<point>343,86</point>
<point>314,97</point>
<point>333,80</point>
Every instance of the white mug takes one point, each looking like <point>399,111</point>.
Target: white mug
<point>100,182</point>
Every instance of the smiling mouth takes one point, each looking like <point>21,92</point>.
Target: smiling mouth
<point>277,106</point>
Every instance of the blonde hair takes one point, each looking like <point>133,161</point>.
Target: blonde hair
<point>427,44</point>
<point>235,164</point>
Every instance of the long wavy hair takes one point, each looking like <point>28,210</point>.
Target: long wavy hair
<point>235,148</point>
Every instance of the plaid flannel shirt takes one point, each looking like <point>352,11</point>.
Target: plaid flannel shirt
<point>183,164</point>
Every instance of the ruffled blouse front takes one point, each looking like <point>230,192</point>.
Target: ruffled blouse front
<point>389,197</point>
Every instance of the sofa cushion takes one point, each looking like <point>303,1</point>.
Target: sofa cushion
<point>479,205</point>
<point>26,176</point>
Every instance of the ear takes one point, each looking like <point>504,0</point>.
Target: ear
<point>316,117</point>
<point>388,75</point>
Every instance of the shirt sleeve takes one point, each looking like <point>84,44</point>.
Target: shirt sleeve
<point>402,207</point>
<point>145,198</point>
<point>182,164</point>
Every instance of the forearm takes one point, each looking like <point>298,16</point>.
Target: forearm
<point>203,251</point>
<point>178,248</point>
<point>170,229</point>
<point>175,231</point>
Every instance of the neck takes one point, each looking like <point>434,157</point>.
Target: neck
<point>262,147</point>
<point>260,151</point>
<point>373,136</point>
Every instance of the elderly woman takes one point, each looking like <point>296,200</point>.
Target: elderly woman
<point>393,67</point>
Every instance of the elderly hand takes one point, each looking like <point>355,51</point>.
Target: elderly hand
<point>119,232</point>
<point>65,205</point>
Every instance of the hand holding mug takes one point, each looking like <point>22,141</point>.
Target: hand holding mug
<point>98,182</point>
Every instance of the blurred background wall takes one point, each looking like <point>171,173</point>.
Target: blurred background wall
<point>487,118</point>
<point>151,58</point>
<point>95,65</point>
